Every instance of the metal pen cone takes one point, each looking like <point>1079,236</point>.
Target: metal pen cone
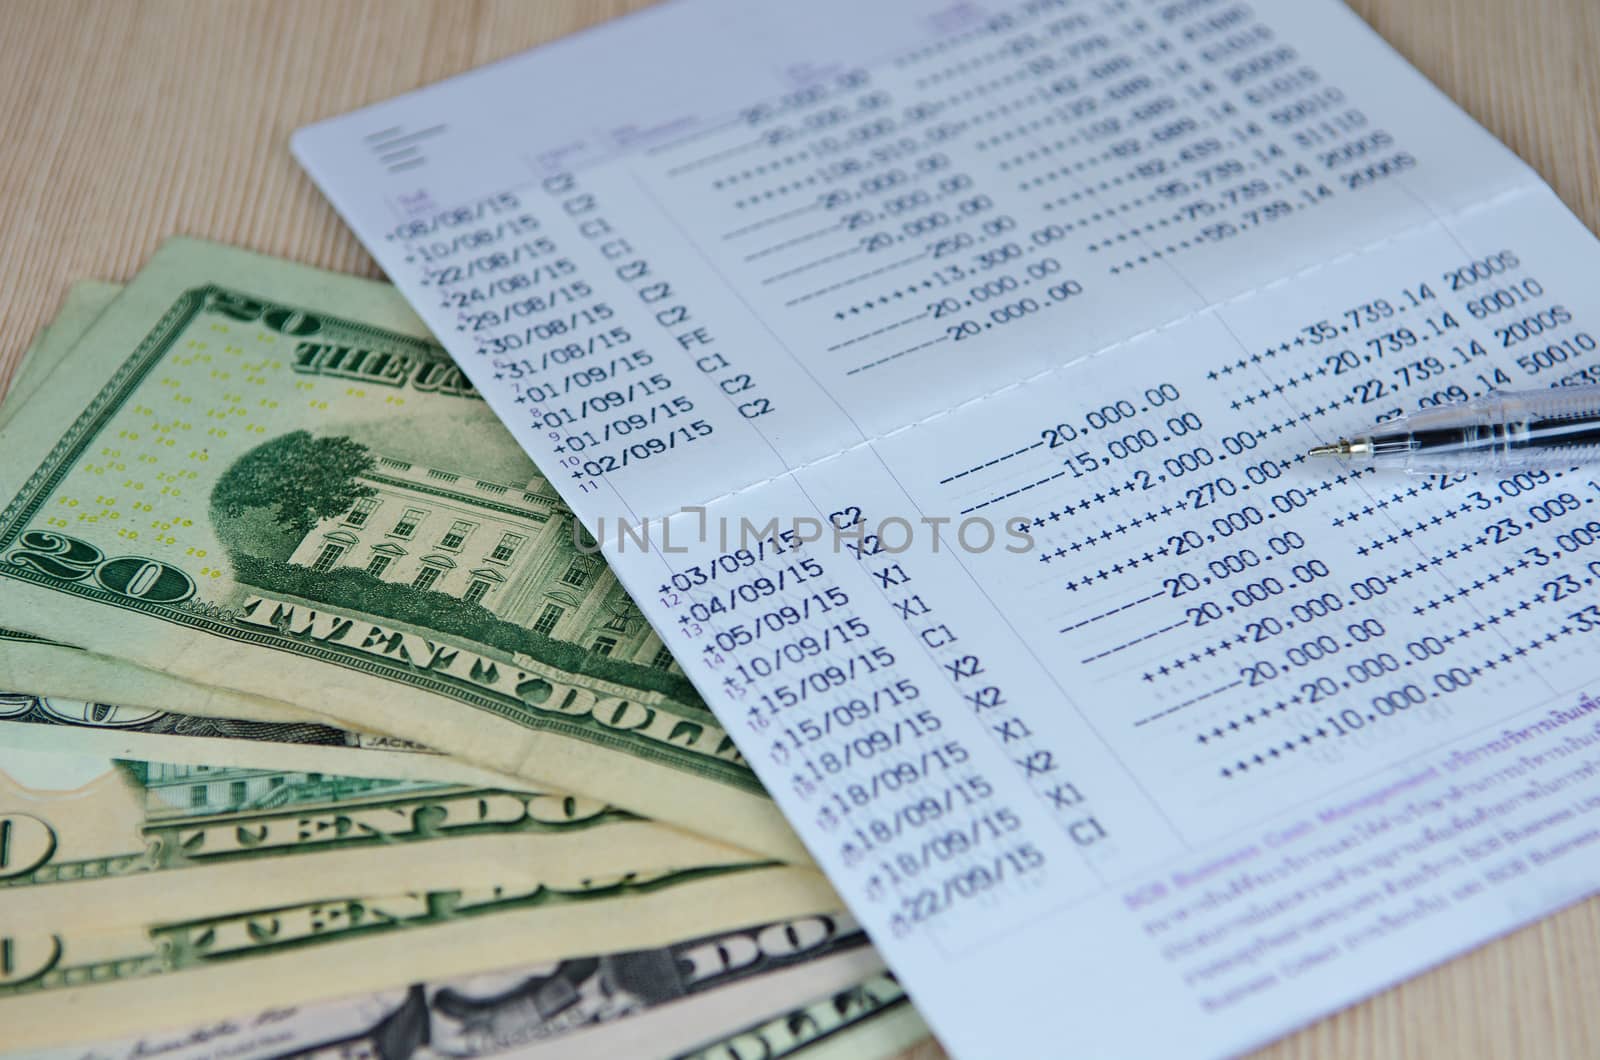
<point>1339,448</point>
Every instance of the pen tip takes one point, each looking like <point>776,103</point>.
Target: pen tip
<point>1339,448</point>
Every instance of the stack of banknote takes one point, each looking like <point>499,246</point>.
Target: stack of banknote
<point>326,732</point>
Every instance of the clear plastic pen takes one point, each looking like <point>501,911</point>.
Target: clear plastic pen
<point>1506,431</point>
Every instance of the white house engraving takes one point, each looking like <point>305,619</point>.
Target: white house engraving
<point>508,549</point>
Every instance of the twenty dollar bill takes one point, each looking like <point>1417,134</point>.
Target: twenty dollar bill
<point>265,478</point>
<point>88,843</point>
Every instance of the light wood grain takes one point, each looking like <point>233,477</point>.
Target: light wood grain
<point>124,122</point>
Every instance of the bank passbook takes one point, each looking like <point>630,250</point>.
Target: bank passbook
<point>938,379</point>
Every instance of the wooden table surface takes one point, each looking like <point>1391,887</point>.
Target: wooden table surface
<point>124,122</point>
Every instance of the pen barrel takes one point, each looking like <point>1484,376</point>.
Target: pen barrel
<point>1555,428</point>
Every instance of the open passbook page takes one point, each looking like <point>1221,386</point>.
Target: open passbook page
<point>938,380</point>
